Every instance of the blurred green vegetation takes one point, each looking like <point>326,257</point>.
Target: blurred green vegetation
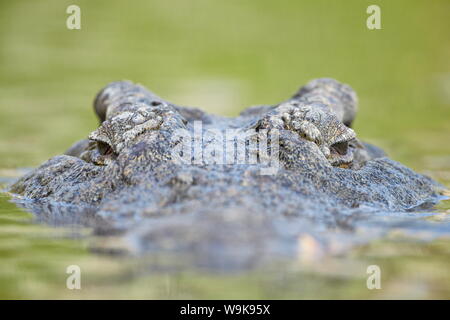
<point>221,56</point>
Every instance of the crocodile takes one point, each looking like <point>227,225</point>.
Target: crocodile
<point>224,190</point>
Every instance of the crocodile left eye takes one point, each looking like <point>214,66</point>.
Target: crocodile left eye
<point>340,147</point>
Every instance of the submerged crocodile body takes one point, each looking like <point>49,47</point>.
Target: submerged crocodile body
<point>224,190</point>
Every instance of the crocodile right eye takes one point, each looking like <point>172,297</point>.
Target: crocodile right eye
<point>104,149</point>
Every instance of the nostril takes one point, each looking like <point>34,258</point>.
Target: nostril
<point>340,147</point>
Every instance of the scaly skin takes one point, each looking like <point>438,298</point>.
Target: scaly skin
<point>127,177</point>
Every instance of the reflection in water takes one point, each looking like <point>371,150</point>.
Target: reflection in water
<point>255,240</point>
<point>148,262</point>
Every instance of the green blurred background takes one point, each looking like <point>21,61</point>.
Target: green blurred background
<point>221,56</point>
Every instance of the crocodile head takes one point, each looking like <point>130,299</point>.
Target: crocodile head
<point>160,172</point>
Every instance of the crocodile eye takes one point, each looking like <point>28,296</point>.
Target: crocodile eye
<point>104,148</point>
<point>340,147</point>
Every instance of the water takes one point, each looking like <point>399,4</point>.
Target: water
<point>223,56</point>
<point>413,257</point>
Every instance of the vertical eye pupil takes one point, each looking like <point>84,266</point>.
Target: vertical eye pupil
<point>104,148</point>
<point>340,147</point>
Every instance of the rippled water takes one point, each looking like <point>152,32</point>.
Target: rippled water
<point>412,250</point>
